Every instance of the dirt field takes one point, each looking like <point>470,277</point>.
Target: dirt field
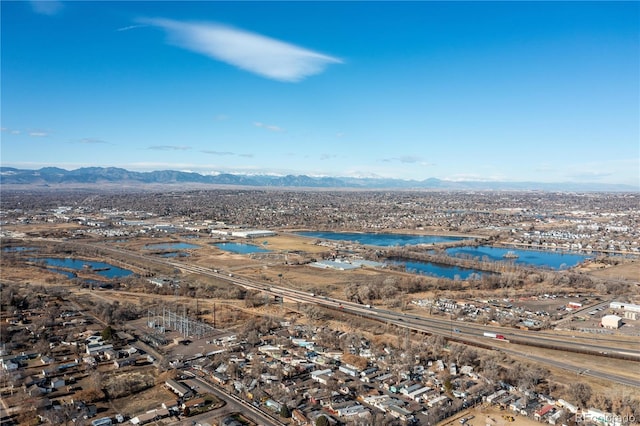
<point>290,242</point>
<point>488,416</point>
<point>626,272</point>
<point>141,402</point>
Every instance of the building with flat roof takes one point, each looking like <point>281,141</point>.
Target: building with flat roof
<point>177,388</point>
<point>627,307</point>
<point>611,321</point>
<point>255,233</point>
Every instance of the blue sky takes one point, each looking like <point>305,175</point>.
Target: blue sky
<point>512,91</point>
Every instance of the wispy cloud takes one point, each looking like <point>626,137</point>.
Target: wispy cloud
<point>248,51</point>
<point>218,152</point>
<point>618,170</point>
<point>269,127</point>
<point>130,27</point>
<point>327,156</point>
<point>226,153</point>
<point>407,159</point>
<point>169,148</point>
<point>589,175</point>
<point>46,7</point>
<point>38,134</point>
<point>91,141</point>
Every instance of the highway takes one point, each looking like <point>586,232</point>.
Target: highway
<point>471,334</point>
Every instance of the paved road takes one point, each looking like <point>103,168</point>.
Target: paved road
<point>233,405</point>
<point>467,333</point>
<point>579,371</point>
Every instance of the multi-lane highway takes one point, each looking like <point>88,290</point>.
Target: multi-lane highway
<point>472,334</point>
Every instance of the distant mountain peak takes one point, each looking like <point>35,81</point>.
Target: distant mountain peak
<point>114,175</point>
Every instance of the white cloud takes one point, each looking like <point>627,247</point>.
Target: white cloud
<point>130,27</point>
<point>46,7</point>
<point>38,134</point>
<point>408,159</point>
<point>269,127</point>
<point>251,52</point>
<point>589,174</point>
<point>90,141</point>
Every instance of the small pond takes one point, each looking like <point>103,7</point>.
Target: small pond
<point>101,268</point>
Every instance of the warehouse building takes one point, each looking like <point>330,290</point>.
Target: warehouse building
<point>256,233</point>
<point>611,321</point>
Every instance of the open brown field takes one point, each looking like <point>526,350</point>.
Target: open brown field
<point>144,401</point>
<point>488,416</point>
<point>291,242</point>
<point>625,271</point>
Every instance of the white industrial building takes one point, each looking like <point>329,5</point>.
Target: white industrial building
<point>611,321</point>
<point>625,306</point>
<point>255,233</point>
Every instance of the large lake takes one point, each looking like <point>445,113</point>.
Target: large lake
<point>382,240</point>
<point>549,259</point>
<point>538,258</point>
<point>104,269</point>
<point>441,271</point>
<point>240,248</point>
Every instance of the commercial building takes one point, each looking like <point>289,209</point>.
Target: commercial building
<point>625,306</point>
<point>611,321</point>
<point>256,233</point>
